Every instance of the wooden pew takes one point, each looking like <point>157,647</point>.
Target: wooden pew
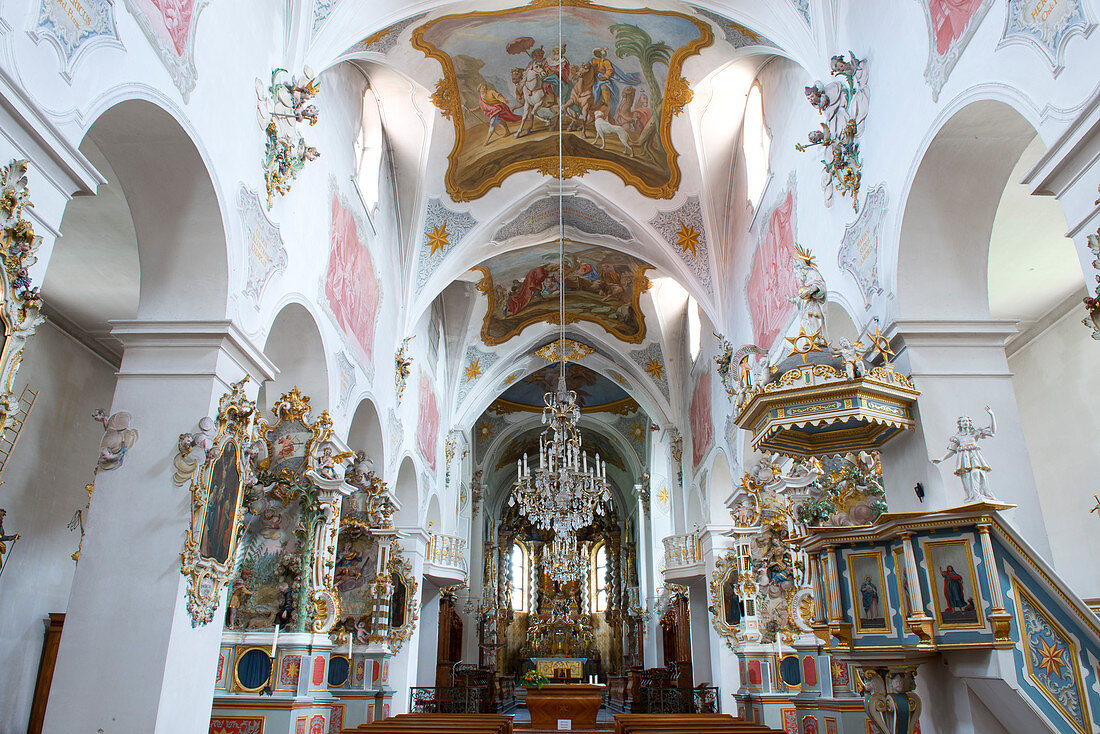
<point>686,724</point>
<point>440,724</point>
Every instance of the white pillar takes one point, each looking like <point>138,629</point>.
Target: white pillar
<point>129,660</point>
<point>429,635</point>
<point>960,367</point>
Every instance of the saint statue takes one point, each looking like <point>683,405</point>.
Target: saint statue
<point>970,466</point>
<point>811,293</point>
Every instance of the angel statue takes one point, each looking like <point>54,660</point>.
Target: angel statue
<point>970,465</point>
<point>811,293</point>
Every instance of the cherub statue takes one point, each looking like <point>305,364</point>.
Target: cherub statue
<point>118,437</point>
<point>852,356</point>
<point>328,462</point>
<point>970,466</point>
<point>811,293</point>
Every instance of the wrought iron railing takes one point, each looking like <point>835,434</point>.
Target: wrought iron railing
<point>682,550</point>
<point>701,700</point>
<point>453,700</point>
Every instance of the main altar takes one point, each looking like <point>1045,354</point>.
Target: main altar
<point>560,668</point>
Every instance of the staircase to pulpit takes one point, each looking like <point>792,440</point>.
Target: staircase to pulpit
<point>949,597</point>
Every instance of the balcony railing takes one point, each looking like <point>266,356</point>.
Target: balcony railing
<point>682,551</point>
<point>447,551</point>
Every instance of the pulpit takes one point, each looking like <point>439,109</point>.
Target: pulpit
<point>577,702</point>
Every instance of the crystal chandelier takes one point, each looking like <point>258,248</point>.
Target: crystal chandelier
<point>564,491</point>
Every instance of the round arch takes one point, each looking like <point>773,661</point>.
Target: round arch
<point>407,495</point>
<point>294,344</point>
<point>365,433</point>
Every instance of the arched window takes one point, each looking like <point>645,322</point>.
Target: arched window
<point>756,145</point>
<point>519,578</point>
<point>695,328</point>
<point>368,151</point>
<point>599,578</point>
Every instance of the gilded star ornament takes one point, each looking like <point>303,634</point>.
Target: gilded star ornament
<point>1050,658</point>
<point>655,369</point>
<point>511,378</point>
<point>803,343</point>
<point>473,370</point>
<point>637,431</point>
<point>837,669</point>
<point>688,238</point>
<point>662,495</point>
<point>438,238</point>
<point>484,429</point>
<point>881,344</point>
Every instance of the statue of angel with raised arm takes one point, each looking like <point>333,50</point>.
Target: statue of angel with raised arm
<point>970,466</point>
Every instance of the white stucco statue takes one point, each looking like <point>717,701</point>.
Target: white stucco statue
<point>812,293</point>
<point>970,466</point>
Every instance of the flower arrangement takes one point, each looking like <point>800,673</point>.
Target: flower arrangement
<point>534,678</point>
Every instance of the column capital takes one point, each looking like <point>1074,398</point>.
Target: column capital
<point>216,349</point>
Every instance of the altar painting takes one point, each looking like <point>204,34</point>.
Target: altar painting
<point>771,278</point>
<point>954,584</point>
<point>268,561</point>
<point>356,558</point>
<point>602,286</point>
<point>506,80</point>
<point>219,522</point>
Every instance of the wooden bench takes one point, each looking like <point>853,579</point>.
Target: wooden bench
<point>440,724</point>
<point>686,724</point>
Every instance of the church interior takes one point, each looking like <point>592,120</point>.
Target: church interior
<point>537,365</point>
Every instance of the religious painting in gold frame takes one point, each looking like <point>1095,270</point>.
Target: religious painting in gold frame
<point>956,596</point>
<point>403,599</point>
<point>725,597</point>
<point>217,490</point>
<point>867,584</point>
<point>603,63</point>
<point>292,439</point>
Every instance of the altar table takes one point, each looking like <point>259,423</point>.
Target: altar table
<point>577,702</point>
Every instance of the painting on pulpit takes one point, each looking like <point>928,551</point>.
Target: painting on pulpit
<point>951,570</point>
<point>868,583</point>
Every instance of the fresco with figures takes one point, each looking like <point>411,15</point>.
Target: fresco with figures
<point>771,278</point>
<point>268,575</point>
<point>613,85</point>
<point>427,426</point>
<point>702,428</point>
<point>352,292</point>
<point>602,286</point>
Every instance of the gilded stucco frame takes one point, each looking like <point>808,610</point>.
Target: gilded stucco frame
<point>726,564</point>
<point>884,596</point>
<point>207,576</point>
<point>975,590</point>
<point>677,93</point>
<point>397,564</point>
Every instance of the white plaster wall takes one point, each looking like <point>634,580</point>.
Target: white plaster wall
<point>43,484</point>
<point>1058,394</point>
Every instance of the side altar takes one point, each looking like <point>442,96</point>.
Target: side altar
<point>560,668</point>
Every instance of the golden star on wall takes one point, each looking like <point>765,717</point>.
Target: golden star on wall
<point>1050,658</point>
<point>510,379</point>
<point>637,431</point>
<point>438,238</point>
<point>655,369</point>
<point>688,238</point>
<point>881,344</point>
<point>473,370</point>
<point>484,429</point>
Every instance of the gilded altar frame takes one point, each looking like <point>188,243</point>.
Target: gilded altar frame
<point>218,484</point>
<point>725,565</point>
<point>397,565</point>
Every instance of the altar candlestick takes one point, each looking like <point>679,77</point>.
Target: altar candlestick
<point>274,641</point>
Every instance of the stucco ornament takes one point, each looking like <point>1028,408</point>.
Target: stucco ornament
<point>118,437</point>
<point>889,699</point>
<point>21,302</point>
<point>970,465</point>
<point>1092,303</point>
<point>283,105</point>
<point>402,364</point>
<point>843,104</point>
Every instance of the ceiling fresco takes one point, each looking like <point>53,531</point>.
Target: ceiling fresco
<point>602,286</point>
<point>616,81</point>
<point>595,393</point>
